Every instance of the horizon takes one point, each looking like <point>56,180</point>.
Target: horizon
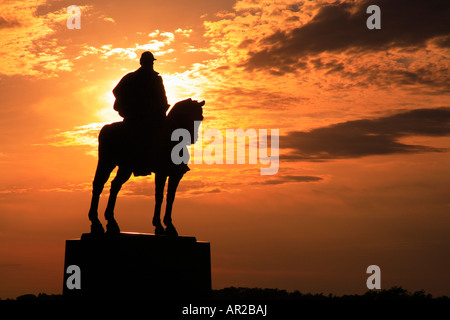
<point>227,292</point>
<point>362,116</point>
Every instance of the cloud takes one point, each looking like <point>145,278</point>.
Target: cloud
<point>366,137</point>
<point>154,45</point>
<point>107,19</point>
<point>421,70</point>
<point>184,32</point>
<point>326,46</point>
<point>86,135</point>
<point>339,27</point>
<point>289,178</point>
<point>14,190</point>
<point>27,42</point>
<point>144,187</point>
<point>10,23</point>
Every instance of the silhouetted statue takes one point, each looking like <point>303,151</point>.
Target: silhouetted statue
<point>141,144</point>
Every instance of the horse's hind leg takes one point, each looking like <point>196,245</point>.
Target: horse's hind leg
<point>160,182</point>
<point>122,176</point>
<point>101,177</point>
<point>174,180</point>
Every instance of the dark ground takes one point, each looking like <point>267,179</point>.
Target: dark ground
<point>394,303</point>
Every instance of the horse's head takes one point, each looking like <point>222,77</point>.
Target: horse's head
<point>184,114</point>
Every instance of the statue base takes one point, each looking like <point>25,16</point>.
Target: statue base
<point>136,266</point>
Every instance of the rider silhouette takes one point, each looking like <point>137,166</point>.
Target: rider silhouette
<point>141,100</point>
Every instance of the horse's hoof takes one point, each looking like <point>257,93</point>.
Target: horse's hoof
<point>171,231</point>
<point>97,228</point>
<point>159,230</point>
<point>112,227</point>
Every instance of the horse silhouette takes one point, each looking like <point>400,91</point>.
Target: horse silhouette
<point>113,150</point>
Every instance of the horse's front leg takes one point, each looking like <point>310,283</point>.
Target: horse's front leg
<point>102,174</point>
<point>122,176</point>
<point>160,182</point>
<point>174,180</point>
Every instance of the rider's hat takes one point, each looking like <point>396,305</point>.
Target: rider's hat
<point>147,58</point>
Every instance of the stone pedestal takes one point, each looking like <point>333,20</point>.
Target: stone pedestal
<point>137,266</point>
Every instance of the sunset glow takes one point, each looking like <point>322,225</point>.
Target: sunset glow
<point>362,117</point>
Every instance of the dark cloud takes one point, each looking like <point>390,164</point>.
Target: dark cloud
<point>10,23</point>
<point>244,44</point>
<point>359,138</point>
<point>252,98</point>
<point>296,7</point>
<point>342,26</point>
<point>443,41</point>
<point>145,187</point>
<point>422,76</point>
<point>215,190</point>
<point>432,76</point>
<point>289,178</point>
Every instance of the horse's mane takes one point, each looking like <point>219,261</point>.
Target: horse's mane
<point>187,110</point>
<point>184,114</point>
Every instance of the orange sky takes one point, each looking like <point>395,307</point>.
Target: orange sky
<point>364,124</point>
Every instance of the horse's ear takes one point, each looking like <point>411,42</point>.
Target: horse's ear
<point>200,105</point>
